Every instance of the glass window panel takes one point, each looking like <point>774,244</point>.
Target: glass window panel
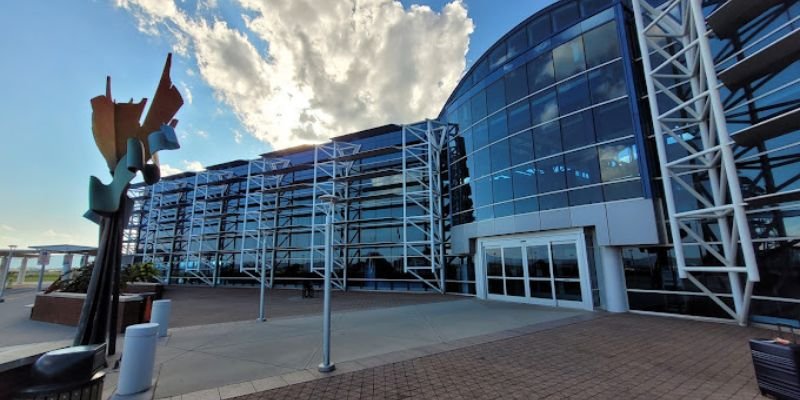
<point>521,146</point>
<point>496,286</point>
<point>541,289</point>
<point>526,205</point>
<point>478,106</point>
<point>539,29</point>
<point>547,139</point>
<point>540,72</point>
<point>577,130</point>
<point>517,43</point>
<point>498,56</point>
<point>618,160</point>
<point>481,70</point>
<point>495,96</point>
<point>613,120</point>
<point>482,163</point>
<point>502,186</point>
<point>551,174</point>
<point>500,155</point>
<point>623,190</point>
<point>519,117</point>
<point>512,261</point>
<point>515,287</point>
<point>516,85</point>
<point>503,209</point>
<point>582,167</point>
<point>483,192</point>
<point>464,115</point>
<point>553,201</point>
<point>589,195</point>
<point>570,291</point>
<point>544,107</point>
<point>607,82</point>
<point>565,260</point>
<point>573,95</point>
<point>484,213</point>
<point>565,16</point>
<point>524,180</point>
<point>498,126</point>
<point>538,261</point>
<point>494,262</point>
<point>468,145</point>
<point>568,59</point>
<point>480,134</point>
<point>602,44</point>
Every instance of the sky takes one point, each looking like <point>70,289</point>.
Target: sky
<point>255,75</point>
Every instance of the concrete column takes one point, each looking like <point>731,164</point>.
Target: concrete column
<point>616,298</point>
<point>23,268</point>
<point>66,265</point>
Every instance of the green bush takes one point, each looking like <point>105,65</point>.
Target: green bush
<point>78,280</point>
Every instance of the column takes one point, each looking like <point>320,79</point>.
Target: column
<point>23,268</point>
<point>615,295</point>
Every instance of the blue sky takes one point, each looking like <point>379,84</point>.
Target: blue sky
<point>56,55</point>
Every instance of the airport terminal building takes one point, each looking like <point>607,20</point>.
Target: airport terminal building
<point>566,169</point>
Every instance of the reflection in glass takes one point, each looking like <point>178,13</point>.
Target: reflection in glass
<point>495,96</point>
<point>568,59</point>
<point>541,289</point>
<point>613,120</point>
<point>618,160</point>
<point>515,287</point>
<point>602,44</point>
<point>498,127</point>
<point>483,164</point>
<point>497,56</point>
<point>519,117</point>
<point>544,107</point>
<point>502,186</point>
<point>577,130</point>
<point>496,286</point>
<point>517,43</point>
<point>565,260</point>
<point>521,146</point>
<point>573,95</point>
<point>483,191</point>
<point>480,134</point>
<point>547,139</point>
<point>540,72</point>
<point>478,105</point>
<point>513,261</point>
<point>516,85</point>
<point>607,82</point>
<point>500,155</point>
<point>538,261</point>
<point>524,180</point>
<point>538,30</point>
<point>565,16</point>
<point>494,262</point>
<point>551,174</point>
<point>582,167</point>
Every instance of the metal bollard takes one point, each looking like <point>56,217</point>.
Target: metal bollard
<point>159,314</point>
<point>138,359</point>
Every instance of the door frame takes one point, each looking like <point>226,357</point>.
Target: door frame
<point>523,240</point>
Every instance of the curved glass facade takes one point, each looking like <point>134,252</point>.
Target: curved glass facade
<point>546,119</point>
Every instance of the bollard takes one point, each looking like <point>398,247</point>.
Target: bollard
<point>159,314</point>
<point>138,359</point>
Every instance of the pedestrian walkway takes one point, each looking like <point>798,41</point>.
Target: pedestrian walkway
<point>242,357</point>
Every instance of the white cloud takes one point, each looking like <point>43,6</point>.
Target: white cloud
<point>203,134</point>
<point>193,165</point>
<point>7,228</point>
<point>237,136</point>
<point>333,67</point>
<point>187,93</point>
<point>167,170</point>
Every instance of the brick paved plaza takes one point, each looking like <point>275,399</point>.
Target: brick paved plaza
<point>613,357</point>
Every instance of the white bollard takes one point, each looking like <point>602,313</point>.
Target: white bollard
<point>138,359</point>
<point>159,314</point>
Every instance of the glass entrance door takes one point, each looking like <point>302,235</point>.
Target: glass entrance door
<point>546,271</point>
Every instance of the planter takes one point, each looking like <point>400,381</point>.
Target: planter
<point>65,309</point>
<point>142,287</point>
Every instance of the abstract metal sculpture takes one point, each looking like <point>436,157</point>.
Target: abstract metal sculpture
<point>128,147</point>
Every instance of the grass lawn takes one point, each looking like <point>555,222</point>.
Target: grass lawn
<point>32,276</point>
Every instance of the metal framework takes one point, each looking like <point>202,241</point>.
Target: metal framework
<point>333,164</point>
<point>684,98</point>
<point>205,220</point>
<point>423,229</point>
<point>130,235</point>
<point>161,222</point>
<point>259,216</point>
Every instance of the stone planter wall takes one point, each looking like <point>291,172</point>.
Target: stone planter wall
<point>141,287</point>
<point>65,308</point>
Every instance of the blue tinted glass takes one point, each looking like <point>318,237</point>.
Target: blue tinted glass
<point>504,210</point>
<point>499,155</point>
<point>529,204</point>
<point>517,43</point>
<point>482,163</point>
<point>582,167</point>
<point>618,160</point>
<point>483,192</point>
<point>551,175</point>
<point>565,16</point>
<point>589,7</point>
<point>613,120</point>
<point>502,186</point>
<point>519,117</point>
<point>601,44</point>
<point>480,134</point>
<point>481,70</point>
<point>540,72</point>
<point>568,59</point>
<point>552,201</point>
<point>498,127</point>
<point>544,107</point>
<point>573,95</point>
<point>516,85</point>
<point>467,137</point>
<point>577,130</point>
<point>547,139</point>
<point>538,29</point>
<point>521,147</point>
<point>464,115</point>
<point>495,96</point>
<point>484,213</point>
<point>607,82</point>
<point>524,180</point>
<point>587,195</point>
<point>478,106</point>
<point>623,190</point>
<point>498,56</point>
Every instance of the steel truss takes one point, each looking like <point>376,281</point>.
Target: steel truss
<point>205,220</point>
<point>259,217</point>
<point>130,235</point>
<point>161,223</point>
<point>422,148</point>
<point>683,93</point>
<point>333,164</point>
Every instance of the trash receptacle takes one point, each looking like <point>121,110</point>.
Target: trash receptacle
<point>777,362</point>
<point>70,373</point>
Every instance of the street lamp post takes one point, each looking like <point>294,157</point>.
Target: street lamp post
<point>327,365</point>
<point>6,268</point>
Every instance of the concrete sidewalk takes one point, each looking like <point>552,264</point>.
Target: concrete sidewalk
<point>230,359</point>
